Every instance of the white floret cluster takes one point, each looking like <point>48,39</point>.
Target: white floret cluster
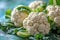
<point>36,23</point>
<point>35,4</point>
<point>54,13</point>
<point>18,16</point>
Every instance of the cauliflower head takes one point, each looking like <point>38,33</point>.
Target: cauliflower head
<point>54,13</point>
<point>36,23</point>
<point>19,14</point>
<point>37,4</point>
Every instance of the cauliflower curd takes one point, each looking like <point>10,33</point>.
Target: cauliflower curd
<point>54,13</point>
<point>18,15</point>
<point>36,4</point>
<point>36,23</point>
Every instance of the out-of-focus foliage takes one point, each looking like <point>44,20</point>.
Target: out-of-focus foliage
<point>8,13</point>
<point>51,2</point>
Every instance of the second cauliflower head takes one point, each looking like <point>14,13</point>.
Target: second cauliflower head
<point>36,23</point>
<point>19,14</point>
<point>54,13</point>
<point>37,5</point>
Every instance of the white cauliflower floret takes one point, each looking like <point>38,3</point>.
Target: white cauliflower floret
<point>50,8</point>
<point>18,16</point>
<point>53,8</point>
<point>36,23</point>
<point>54,13</point>
<point>57,20</point>
<point>36,4</point>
